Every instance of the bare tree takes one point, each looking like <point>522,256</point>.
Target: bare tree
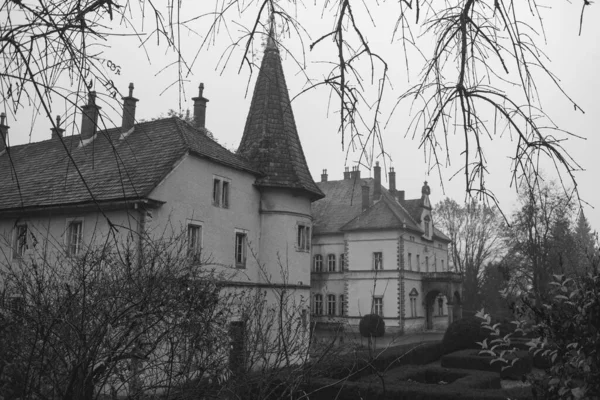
<point>534,248</point>
<point>476,240</point>
<point>52,50</point>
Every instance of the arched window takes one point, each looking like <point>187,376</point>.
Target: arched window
<point>318,263</point>
<point>318,304</point>
<point>331,309</point>
<point>413,302</point>
<point>331,263</point>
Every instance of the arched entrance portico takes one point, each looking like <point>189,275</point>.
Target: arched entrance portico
<point>448,284</point>
<point>430,300</point>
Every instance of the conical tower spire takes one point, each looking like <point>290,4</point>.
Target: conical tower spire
<point>270,137</point>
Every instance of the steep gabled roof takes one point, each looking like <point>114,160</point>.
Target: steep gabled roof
<point>414,207</point>
<point>343,204</point>
<point>341,210</point>
<point>270,139</point>
<point>378,216</point>
<point>114,167</point>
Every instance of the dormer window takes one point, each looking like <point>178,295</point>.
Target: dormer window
<point>427,226</point>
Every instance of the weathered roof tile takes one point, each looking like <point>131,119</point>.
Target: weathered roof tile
<point>270,139</point>
<point>45,173</point>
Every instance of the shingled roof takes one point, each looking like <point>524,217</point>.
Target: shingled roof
<point>114,167</point>
<point>341,210</point>
<point>342,206</point>
<point>270,139</point>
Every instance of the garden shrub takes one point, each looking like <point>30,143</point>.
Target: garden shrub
<point>463,334</point>
<point>471,359</point>
<point>325,389</point>
<point>371,325</point>
<point>567,331</point>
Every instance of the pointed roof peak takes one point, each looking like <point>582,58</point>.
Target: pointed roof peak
<point>270,137</point>
<point>271,40</point>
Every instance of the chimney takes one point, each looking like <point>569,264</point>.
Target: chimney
<point>128,110</point>
<point>346,174</point>
<point>57,131</point>
<point>392,179</point>
<point>400,195</point>
<point>377,188</point>
<point>365,196</point>
<point>89,121</point>
<point>3,133</point>
<point>355,173</point>
<point>324,176</point>
<point>200,108</point>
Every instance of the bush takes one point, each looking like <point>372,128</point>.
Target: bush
<point>463,334</point>
<point>566,325</point>
<point>371,325</point>
<point>353,365</point>
<point>470,359</point>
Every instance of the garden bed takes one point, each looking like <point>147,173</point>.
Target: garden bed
<point>470,359</point>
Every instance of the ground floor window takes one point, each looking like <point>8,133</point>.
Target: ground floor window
<point>331,304</point>
<point>413,307</point>
<point>378,306</point>
<point>318,304</point>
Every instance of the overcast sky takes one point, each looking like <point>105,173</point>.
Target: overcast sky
<point>573,59</point>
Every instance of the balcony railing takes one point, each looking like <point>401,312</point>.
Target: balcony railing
<point>443,276</point>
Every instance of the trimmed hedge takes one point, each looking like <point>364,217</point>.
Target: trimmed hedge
<point>463,334</point>
<point>356,364</point>
<point>470,359</point>
<point>325,389</point>
<point>371,325</point>
<point>432,374</point>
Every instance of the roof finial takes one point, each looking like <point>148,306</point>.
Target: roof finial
<point>271,42</point>
<point>201,90</point>
<point>2,118</point>
<point>58,121</point>
<point>130,89</point>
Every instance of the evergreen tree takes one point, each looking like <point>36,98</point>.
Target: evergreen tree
<point>584,244</point>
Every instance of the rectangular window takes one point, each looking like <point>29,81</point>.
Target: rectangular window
<point>331,263</point>
<point>410,261</point>
<point>440,306</point>
<point>303,238</point>
<point>318,263</point>
<point>221,192</point>
<point>419,262</point>
<point>225,195</point>
<point>74,237</point>
<point>426,263</point>
<point>194,241</point>
<point>442,265</point>
<point>378,260</point>
<point>318,304</point>
<point>378,306</point>
<point>435,265</point>
<point>342,262</point>
<point>216,192</point>
<point>20,244</point>
<point>331,309</point>
<point>240,249</point>
<point>342,304</point>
